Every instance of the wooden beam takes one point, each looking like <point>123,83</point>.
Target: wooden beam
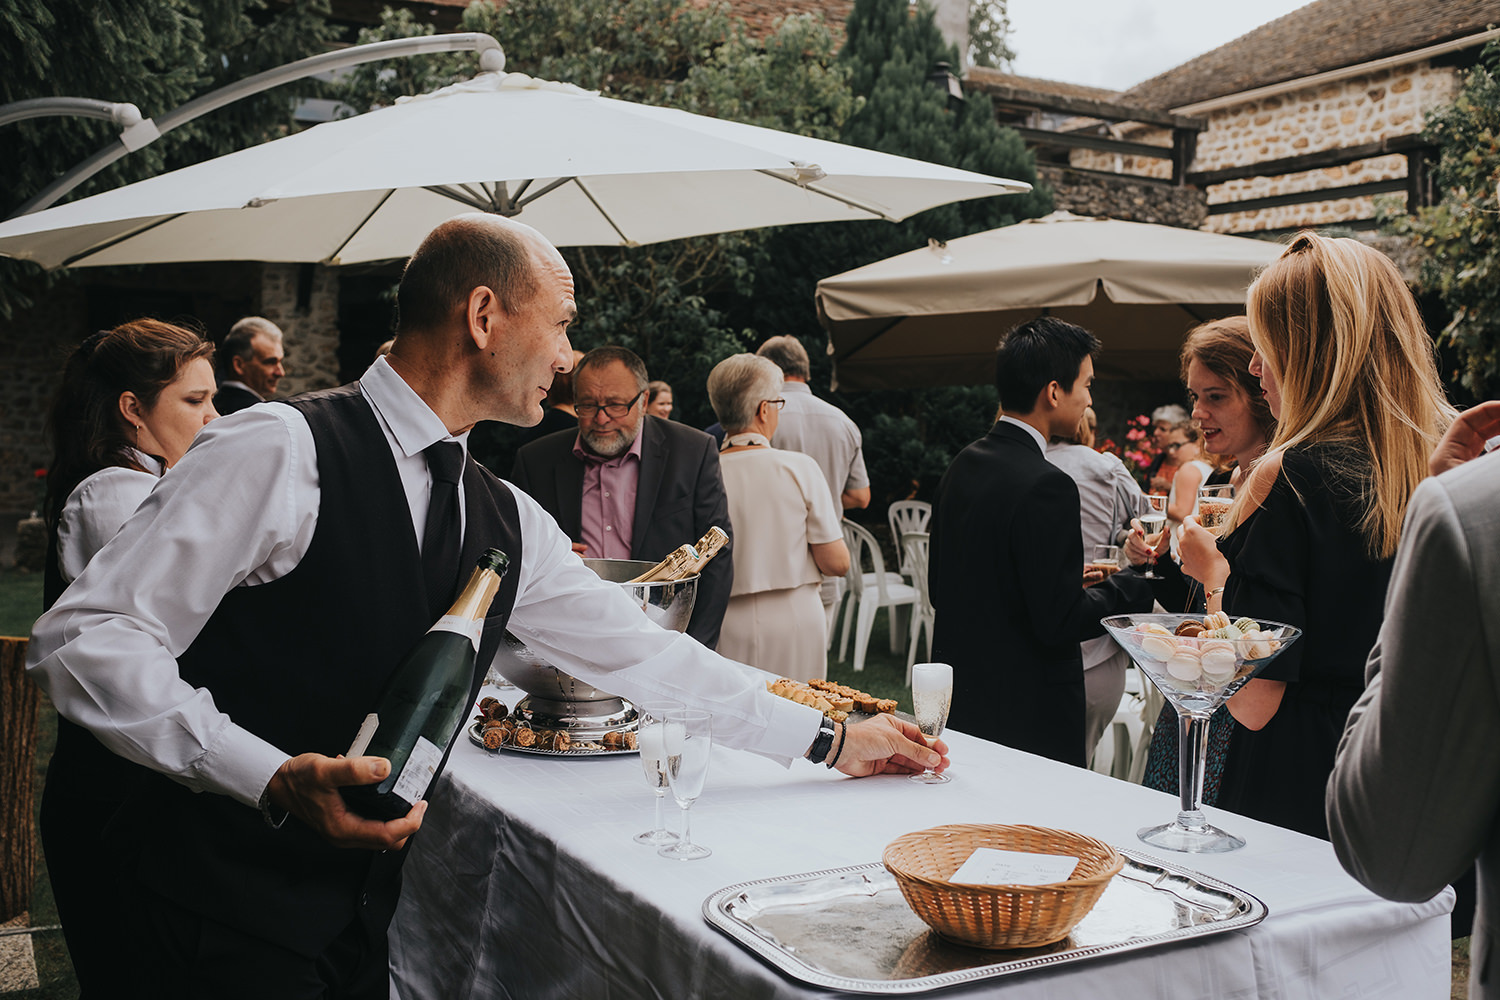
<point>1307,197</point>
<point>1039,100</point>
<point>1310,161</point>
<point>1078,140</point>
<point>1356,225</point>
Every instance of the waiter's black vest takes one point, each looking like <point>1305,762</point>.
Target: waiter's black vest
<point>299,662</point>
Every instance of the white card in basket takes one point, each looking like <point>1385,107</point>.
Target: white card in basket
<point>990,866</point>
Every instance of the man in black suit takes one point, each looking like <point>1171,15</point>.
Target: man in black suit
<point>1007,558</point>
<point>251,363</point>
<point>626,485</point>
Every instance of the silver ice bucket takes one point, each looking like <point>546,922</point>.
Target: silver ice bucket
<point>556,700</point>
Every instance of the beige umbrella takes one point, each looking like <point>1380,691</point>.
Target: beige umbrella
<point>934,316</point>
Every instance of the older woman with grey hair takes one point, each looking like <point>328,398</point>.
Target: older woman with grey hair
<point>786,532</point>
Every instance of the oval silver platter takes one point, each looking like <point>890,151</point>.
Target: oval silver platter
<point>476,737</point>
<point>850,928</point>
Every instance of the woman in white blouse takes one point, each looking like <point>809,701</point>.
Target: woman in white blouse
<point>130,403</point>
<point>787,535</point>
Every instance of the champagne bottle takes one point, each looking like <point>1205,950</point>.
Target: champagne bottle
<point>671,568</point>
<point>708,546</point>
<point>425,701</point>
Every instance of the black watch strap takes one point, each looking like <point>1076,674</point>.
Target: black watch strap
<point>824,742</point>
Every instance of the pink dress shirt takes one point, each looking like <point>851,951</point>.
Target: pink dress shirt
<point>609,488</point>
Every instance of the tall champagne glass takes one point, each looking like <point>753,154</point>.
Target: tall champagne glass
<point>1213,504</point>
<point>688,740</point>
<point>651,739</point>
<point>1153,523</point>
<point>931,697</point>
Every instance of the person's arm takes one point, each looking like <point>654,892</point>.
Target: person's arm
<point>1412,798</point>
<point>1466,437</point>
<point>95,512</point>
<point>1184,492</point>
<point>710,508</point>
<point>855,499</point>
<point>106,653</point>
<point>856,494</point>
<point>832,558</point>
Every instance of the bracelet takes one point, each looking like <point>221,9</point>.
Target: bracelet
<point>824,742</point>
<point>843,738</point>
<point>268,812</point>
<point>1213,593</point>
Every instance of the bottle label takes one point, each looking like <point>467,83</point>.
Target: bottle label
<point>469,627</point>
<point>363,737</point>
<point>420,767</point>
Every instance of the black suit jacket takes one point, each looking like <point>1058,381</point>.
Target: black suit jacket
<point>680,496</point>
<point>1005,578</point>
<point>231,398</point>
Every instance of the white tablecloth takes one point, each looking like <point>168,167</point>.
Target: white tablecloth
<point>524,883</point>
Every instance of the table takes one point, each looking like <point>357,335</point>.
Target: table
<point>525,883</point>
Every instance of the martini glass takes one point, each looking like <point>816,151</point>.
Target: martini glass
<point>1196,676</point>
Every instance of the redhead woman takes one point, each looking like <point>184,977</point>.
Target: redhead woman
<point>130,403</point>
<point>1347,368</point>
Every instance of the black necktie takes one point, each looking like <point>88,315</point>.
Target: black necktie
<point>443,534</point>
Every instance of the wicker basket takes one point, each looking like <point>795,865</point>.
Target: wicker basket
<point>999,916</point>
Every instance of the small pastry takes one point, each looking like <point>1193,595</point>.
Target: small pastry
<point>1185,664</point>
<point>1190,628</point>
<point>1159,647</point>
<point>1215,620</point>
<point>1218,659</point>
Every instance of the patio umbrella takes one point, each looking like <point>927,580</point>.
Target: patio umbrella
<point>933,316</point>
<point>581,168</point>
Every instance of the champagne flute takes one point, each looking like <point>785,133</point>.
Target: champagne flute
<point>688,739</point>
<point>1153,523</point>
<point>931,697</point>
<point>1213,504</point>
<point>1103,559</point>
<point>651,740</point>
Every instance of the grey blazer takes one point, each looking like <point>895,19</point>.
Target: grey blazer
<point>1415,794</point>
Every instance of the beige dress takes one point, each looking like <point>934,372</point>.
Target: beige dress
<point>779,505</point>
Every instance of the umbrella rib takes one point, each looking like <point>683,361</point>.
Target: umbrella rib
<point>872,338</point>
<point>832,195</point>
<point>592,200</point>
<point>523,202</point>
<point>462,197</point>
<point>119,239</point>
<point>362,223</point>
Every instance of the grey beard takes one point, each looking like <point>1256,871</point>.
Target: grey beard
<point>610,446</point>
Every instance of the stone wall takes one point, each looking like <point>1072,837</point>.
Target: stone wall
<point>311,333</point>
<point>303,301</point>
<point>1352,112</point>
<point>1123,197</point>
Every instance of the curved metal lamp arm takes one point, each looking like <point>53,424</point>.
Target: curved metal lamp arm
<point>491,60</point>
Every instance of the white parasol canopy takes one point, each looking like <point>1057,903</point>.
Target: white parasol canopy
<point>934,316</point>
<point>582,169</point>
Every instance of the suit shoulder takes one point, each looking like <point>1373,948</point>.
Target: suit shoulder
<point>682,433</point>
<point>549,444</point>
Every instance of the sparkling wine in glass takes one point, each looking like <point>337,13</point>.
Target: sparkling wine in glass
<point>1153,523</point>
<point>1104,559</point>
<point>931,697</point>
<point>687,739</point>
<point>651,740</point>
<point>1213,504</point>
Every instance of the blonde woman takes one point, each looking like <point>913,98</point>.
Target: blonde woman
<point>1347,368</point>
<point>787,534</point>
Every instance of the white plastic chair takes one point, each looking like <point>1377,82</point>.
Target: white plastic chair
<point>914,546</point>
<point>906,516</point>
<point>869,592</point>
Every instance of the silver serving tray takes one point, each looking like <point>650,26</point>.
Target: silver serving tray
<point>476,737</point>
<point>850,928</point>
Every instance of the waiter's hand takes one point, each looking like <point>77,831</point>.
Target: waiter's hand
<point>308,788</point>
<point>886,745</point>
<point>1466,437</point>
<point>580,548</point>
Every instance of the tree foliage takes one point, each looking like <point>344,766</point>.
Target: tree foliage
<point>1461,234</point>
<point>155,54</point>
<point>989,34</point>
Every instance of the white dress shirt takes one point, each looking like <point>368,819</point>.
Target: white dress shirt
<point>97,507</point>
<point>240,509</point>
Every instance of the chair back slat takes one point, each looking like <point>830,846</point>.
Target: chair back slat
<point>907,516</point>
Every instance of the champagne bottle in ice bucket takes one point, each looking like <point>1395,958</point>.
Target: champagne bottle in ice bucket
<point>686,560</point>
<point>425,700</point>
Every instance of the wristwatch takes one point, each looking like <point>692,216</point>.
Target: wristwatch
<point>824,742</point>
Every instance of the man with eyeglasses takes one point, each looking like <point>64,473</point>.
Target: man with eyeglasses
<point>630,486</point>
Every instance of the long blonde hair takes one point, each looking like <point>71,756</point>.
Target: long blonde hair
<point>1336,325</point>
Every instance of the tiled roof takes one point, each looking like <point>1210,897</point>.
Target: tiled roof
<point>1323,36</point>
<point>982,76</point>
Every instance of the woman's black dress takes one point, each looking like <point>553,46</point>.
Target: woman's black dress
<point>1301,559</point>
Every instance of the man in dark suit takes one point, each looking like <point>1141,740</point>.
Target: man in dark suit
<point>1007,558</point>
<point>251,363</point>
<point>628,486</point>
